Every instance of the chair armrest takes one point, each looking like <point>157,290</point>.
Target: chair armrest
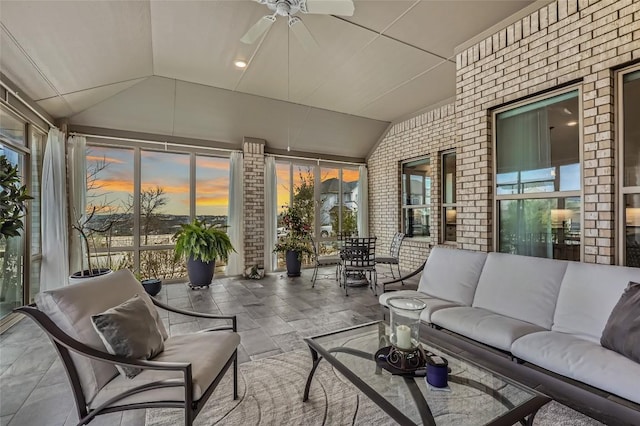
<point>412,274</point>
<point>74,345</point>
<point>233,318</point>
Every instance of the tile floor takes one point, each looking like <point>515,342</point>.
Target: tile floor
<point>273,315</point>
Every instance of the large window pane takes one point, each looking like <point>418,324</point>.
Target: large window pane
<point>283,177</point>
<point>449,212</point>
<point>212,189</point>
<point>350,190</point>
<point>303,191</point>
<point>329,202</point>
<point>416,222</point>
<point>538,147</point>
<point>11,128</point>
<point>37,143</point>
<point>632,229</point>
<point>110,196</point>
<point>164,196</point>
<point>631,108</point>
<point>163,264</point>
<point>547,227</point>
<point>416,198</point>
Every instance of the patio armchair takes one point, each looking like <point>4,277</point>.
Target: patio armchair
<point>394,256</point>
<point>183,375</point>
<point>323,261</point>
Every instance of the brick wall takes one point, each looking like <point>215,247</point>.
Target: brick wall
<point>566,41</point>
<point>253,202</point>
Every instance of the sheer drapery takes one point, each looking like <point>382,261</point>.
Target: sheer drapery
<point>363,202</point>
<point>54,271</point>
<point>270,213</point>
<point>524,143</point>
<point>77,146</point>
<point>235,266</point>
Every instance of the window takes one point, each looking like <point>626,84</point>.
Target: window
<point>449,196</point>
<point>416,198</point>
<point>538,182</point>
<point>174,187</point>
<point>631,167</point>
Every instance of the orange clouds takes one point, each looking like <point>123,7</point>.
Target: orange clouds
<point>350,175</point>
<point>112,185</point>
<point>220,201</point>
<point>107,160</point>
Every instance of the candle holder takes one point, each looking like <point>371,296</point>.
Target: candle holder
<point>405,354</point>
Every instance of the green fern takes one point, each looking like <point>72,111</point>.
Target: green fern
<point>202,242</point>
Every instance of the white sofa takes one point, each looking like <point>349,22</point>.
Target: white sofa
<point>545,312</point>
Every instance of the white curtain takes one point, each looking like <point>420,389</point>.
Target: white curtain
<point>77,146</point>
<point>270,213</point>
<point>236,215</point>
<point>54,271</point>
<point>363,202</point>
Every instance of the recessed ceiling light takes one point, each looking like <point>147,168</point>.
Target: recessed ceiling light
<point>240,63</point>
<point>572,123</point>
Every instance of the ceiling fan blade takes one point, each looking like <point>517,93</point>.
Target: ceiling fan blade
<point>259,28</point>
<point>302,33</point>
<point>328,7</point>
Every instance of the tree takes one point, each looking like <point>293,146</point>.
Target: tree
<point>151,202</point>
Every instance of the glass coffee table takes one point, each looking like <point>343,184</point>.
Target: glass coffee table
<point>475,395</point>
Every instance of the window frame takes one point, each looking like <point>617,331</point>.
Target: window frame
<point>404,206</point>
<point>622,191</point>
<point>537,195</point>
<point>444,205</point>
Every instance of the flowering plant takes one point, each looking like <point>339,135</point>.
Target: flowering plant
<point>297,230</point>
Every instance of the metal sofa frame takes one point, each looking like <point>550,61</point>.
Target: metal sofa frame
<point>65,344</point>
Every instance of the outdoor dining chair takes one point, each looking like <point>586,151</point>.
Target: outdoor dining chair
<point>358,257</point>
<point>394,255</point>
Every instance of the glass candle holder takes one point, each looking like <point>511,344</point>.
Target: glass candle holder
<point>405,322</point>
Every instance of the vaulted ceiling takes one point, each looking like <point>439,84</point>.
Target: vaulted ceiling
<point>166,67</point>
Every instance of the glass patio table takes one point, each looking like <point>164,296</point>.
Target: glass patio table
<point>475,395</point>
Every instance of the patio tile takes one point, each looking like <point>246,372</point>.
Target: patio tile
<point>15,390</point>
<point>258,310</point>
<point>256,341</point>
<point>231,308</point>
<point>266,354</point>
<point>275,325</point>
<point>51,402</point>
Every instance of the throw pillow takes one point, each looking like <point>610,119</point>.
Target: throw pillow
<point>129,330</point>
<point>622,332</point>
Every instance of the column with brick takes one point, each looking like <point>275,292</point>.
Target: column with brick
<point>253,201</point>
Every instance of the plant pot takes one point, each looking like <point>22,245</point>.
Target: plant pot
<point>293,263</point>
<point>82,276</point>
<point>200,273</point>
<point>152,286</point>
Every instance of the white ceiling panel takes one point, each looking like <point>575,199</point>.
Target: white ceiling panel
<point>199,41</point>
<point>83,44</point>
<point>383,65</point>
<point>79,101</point>
<point>378,14</point>
<point>428,26</point>
<point>145,107</point>
<point>15,65</point>
<point>427,89</point>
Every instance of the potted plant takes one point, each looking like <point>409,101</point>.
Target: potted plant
<point>201,244</point>
<point>295,240</point>
<point>87,229</point>
<point>13,197</point>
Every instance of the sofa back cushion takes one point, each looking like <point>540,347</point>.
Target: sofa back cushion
<point>71,307</point>
<point>520,287</point>
<point>452,274</point>
<point>587,296</point>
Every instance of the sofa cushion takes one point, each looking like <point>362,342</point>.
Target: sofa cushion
<point>207,352</point>
<point>483,326</point>
<point>129,330</point>
<point>71,307</point>
<point>452,274</point>
<point>622,332</point>
<point>520,287</point>
<point>587,296</point>
<point>433,304</point>
<point>582,360</point>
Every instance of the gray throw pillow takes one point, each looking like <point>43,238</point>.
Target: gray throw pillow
<point>622,332</point>
<point>129,330</point>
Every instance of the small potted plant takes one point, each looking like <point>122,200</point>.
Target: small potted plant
<point>86,229</point>
<point>201,244</point>
<point>295,239</point>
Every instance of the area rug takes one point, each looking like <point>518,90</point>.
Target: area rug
<point>270,393</point>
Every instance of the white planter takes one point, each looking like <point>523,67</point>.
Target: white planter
<point>76,278</point>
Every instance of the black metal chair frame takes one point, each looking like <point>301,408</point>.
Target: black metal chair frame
<point>65,344</point>
<point>394,255</point>
<point>323,261</point>
<point>358,255</point>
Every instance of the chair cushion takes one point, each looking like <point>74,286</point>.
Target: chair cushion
<point>328,260</point>
<point>452,274</point>
<point>520,287</point>
<point>582,360</point>
<point>587,296</point>
<point>433,304</point>
<point>622,332</point>
<point>484,326</point>
<point>129,330</point>
<point>386,260</point>
<point>207,352</point>
<point>71,307</point>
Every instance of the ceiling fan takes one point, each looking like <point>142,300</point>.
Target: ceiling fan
<point>289,8</point>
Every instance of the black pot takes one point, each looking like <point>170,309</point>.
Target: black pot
<point>82,275</point>
<point>200,273</point>
<point>152,286</point>
<point>293,263</point>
